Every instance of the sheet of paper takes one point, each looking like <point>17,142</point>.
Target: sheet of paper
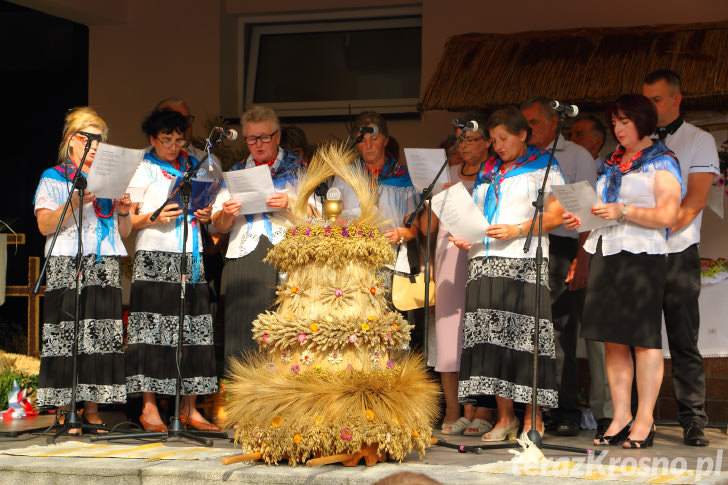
<point>112,169</point>
<point>458,213</point>
<point>251,187</point>
<point>203,192</point>
<point>423,164</point>
<point>579,198</point>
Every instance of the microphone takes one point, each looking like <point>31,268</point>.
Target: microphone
<point>363,130</point>
<point>227,133</point>
<point>90,137</point>
<point>471,125</point>
<point>570,110</point>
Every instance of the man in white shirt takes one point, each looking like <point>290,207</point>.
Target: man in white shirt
<point>568,262</point>
<point>698,157</point>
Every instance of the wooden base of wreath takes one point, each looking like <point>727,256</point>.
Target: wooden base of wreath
<point>370,453</point>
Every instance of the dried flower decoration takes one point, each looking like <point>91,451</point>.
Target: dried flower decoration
<point>307,357</point>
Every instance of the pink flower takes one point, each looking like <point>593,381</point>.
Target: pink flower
<point>390,364</point>
<point>302,337</point>
<point>338,292</point>
<point>295,368</point>
<point>353,338</point>
<point>264,338</point>
<point>346,434</point>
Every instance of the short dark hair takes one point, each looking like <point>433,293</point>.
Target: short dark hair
<point>542,101</point>
<point>670,77</point>
<point>512,119</point>
<point>597,127</point>
<point>637,108</point>
<point>293,137</point>
<point>366,118</point>
<point>164,121</point>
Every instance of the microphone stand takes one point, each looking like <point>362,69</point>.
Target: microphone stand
<point>72,420</point>
<point>357,140</point>
<point>533,434</point>
<point>176,427</point>
<point>427,196</point>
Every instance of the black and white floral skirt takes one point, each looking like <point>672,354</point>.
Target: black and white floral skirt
<point>152,330</point>
<point>101,332</point>
<point>497,357</point>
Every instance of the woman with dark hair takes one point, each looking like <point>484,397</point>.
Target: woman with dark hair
<point>105,223</point>
<point>498,328</point>
<point>640,187</point>
<point>155,291</point>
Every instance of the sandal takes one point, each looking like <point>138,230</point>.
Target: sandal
<point>500,434</point>
<point>95,430</point>
<point>480,427</point>
<point>457,427</point>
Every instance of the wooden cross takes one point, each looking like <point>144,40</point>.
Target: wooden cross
<point>27,292</point>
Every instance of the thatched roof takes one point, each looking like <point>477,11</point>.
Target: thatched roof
<point>587,67</point>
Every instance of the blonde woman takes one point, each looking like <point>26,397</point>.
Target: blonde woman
<point>105,222</point>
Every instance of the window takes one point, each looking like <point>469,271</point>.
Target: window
<point>335,67</point>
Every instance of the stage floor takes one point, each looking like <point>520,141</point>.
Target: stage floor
<point>443,464</point>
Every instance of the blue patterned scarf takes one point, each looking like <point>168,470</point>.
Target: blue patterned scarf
<point>391,173</point>
<point>104,225</point>
<point>614,167</point>
<point>534,159</point>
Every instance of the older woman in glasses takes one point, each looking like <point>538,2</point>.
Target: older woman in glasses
<point>105,222</point>
<point>155,291</point>
<point>249,282</point>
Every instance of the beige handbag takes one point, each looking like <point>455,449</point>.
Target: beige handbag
<point>408,292</point>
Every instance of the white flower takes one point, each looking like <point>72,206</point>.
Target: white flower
<point>335,358</point>
<point>307,357</point>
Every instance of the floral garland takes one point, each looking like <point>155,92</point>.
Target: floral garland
<point>274,332</point>
<point>334,245</point>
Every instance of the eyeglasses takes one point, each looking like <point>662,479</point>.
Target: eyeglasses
<point>167,142</point>
<point>472,139</point>
<point>251,140</point>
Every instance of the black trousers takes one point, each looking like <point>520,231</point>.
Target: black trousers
<point>682,321</point>
<point>566,309</point>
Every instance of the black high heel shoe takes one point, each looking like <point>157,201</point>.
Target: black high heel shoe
<point>644,443</point>
<point>616,439</point>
